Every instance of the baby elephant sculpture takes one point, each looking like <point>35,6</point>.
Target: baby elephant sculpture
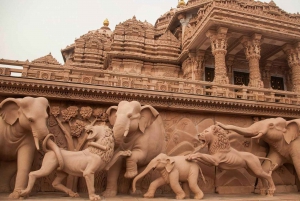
<point>226,157</point>
<point>97,156</point>
<point>173,170</point>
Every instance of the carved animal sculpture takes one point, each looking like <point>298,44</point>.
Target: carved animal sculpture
<point>23,122</point>
<point>136,128</point>
<point>282,137</point>
<point>221,154</point>
<point>84,163</point>
<point>173,170</point>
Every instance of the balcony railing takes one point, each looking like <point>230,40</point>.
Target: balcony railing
<point>173,85</point>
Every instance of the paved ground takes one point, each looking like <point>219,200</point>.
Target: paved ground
<point>209,197</point>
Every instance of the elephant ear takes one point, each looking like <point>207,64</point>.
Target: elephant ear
<point>148,116</point>
<point>111,111</point>
<point>170,165</point>
<point>9,110</point>
<point>292,130</point>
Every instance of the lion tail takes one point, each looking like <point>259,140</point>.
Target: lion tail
<point>273,165</point>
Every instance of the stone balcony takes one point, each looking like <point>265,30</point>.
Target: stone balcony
<point>159,91</point>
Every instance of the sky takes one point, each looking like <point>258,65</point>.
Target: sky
<point>30,29</point>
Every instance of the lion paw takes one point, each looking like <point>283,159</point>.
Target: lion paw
<point>109,193</point>
<point>15,195</point>
<point>24,193</point>
<point>94,197</point>
<point>180,196</point>
<point>126,153</point>
<point>149,195</point>
<point>73,195</point>
<point>199,196</point>
<point>130,174</point>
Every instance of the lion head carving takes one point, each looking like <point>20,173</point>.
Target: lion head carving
<point>215,138</point>
<point>103,135</point>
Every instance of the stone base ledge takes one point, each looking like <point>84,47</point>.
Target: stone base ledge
<point>56,196</point>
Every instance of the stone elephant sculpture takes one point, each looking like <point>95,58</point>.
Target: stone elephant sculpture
<point>138,129</point>
<point>22,124</point>
<point>173,170</point>
<point>282,137</point>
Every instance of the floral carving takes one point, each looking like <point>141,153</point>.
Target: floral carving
<point>86,112</point>
<point>77,128</point>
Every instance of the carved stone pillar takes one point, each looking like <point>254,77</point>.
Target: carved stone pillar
<point>293,57</point>
<point>229,64</point>
<point>184,22</point>
<point>219,49</point>
<point>252,52</point>
<point>266,76</point>
<point>199,70</point>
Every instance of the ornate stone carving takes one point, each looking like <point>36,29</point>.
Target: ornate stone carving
<point>219,49</point>
<point>293,57</point>
<point>252,52</point>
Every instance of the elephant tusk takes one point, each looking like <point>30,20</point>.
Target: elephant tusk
<point>36,142</point>
<point>126,133</point>
<point>258,136</point>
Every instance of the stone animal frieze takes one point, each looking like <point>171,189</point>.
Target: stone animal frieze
<point>84,163</point>
<point>221,154</point>
<point>23,122</point>
<point>282,137</point>
<point>136,128</point>
<point>173,170</point>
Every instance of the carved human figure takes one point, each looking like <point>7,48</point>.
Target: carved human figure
<point>221,154</point>
<point>96,157</point>
<point>136,128</point>
<point>173,170</point>
<point>23,122</point>
<point>281,135</point>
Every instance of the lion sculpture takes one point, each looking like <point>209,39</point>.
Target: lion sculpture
<point>98,156</point>
<point>221,154</point>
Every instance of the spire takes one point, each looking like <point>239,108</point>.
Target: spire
<point>106,22</point>
<point>180,3</point>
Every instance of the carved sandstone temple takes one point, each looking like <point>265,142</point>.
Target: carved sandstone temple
<point>234,61</point>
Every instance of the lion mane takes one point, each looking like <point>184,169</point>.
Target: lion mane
<point>108,141</point>
<point>221,141</point>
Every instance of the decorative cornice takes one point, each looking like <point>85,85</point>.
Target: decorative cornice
<point>163,100</point>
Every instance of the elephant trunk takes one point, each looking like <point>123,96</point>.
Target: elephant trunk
<point>247,132</point>
<point>121,128</point>
<point>149,167</point>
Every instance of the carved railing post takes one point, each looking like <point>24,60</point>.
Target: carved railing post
<point>293,57</point>
<point>252,51</point>
<point>219,49</point>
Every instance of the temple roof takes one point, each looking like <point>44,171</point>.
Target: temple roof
<point>48,59</point>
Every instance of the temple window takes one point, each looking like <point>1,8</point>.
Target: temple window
<point>209,74</point>
<point>277,83</point>
<point>241,78</point>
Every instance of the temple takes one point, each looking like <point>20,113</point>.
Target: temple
<point>234,61</point>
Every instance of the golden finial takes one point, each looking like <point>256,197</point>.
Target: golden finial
<point>106,22</point>
<point>180,3</point>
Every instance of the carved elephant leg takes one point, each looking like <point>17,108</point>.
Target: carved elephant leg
<point>8,170</point>
<point>295,155</point>
<point>24,163</point>
<point>276,159</point>
<point>186,189</point>
<point>131,164</point>
<point>174,183</point>
<point>57,184</point>
<point>193,184</point>
<point>112,179</point>
<point>153,186</point>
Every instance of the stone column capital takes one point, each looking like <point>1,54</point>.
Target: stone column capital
<point>218,40</point>
<point>252,45</point>
<point>293,53</point>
